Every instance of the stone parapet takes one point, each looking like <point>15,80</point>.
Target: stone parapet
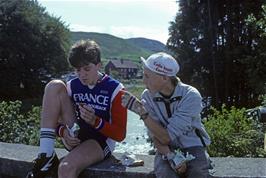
<point>15,161</point>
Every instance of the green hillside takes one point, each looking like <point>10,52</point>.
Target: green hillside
<point>148,44</point>
<point>112,46</point>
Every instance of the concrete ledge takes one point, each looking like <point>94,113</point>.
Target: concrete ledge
<point>15,161</point>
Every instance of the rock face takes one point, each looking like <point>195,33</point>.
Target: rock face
<point>15,161</point>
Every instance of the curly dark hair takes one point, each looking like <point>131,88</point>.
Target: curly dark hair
<point>84,52</point>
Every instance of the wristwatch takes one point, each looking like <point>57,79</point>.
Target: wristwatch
<point>144,116</point>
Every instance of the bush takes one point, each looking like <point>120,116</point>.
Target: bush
<point>233,134</point>
<point>263,98</point>
<point>16,127</point>
<point>20,127</point>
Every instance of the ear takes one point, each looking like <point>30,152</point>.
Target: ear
<point>165,78</point>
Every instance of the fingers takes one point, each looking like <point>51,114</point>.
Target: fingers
<point>87,113</point>
<point>132,103</point>
<point>89,108</point>
<point>69,140</point>
<point>72,141</point>
<point>182,168</point>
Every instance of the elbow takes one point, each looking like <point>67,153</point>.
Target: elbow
<point>165,140</point>
<point>120,137</point>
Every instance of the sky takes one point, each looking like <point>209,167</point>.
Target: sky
<point>121,18</point>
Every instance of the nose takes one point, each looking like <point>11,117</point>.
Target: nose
<point>81,73</point>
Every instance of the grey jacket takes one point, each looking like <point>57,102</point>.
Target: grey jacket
<point>181,118</point>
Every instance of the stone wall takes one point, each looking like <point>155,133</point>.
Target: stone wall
<point>15,161</point>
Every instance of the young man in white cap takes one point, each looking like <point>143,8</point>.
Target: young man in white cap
<point>171,110</point>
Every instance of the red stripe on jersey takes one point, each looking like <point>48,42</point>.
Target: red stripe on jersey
<point>117,129</point>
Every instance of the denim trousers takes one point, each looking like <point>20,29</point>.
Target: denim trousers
<point>196,168</point>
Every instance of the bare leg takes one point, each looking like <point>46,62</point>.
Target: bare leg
<point>56,104</point>
<point>84,155</point>
<point>162,168</point>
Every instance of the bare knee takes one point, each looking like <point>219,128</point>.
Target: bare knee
<point>55,86</point>
<point>67,169</point>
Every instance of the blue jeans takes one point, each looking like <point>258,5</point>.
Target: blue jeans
<point>196,168</point>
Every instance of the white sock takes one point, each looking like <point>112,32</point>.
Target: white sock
<point>47,141</point>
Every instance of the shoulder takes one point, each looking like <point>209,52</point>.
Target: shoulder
<point>188,90</point>
<point>145,93</point>
<point>110,80</point>
<point>114,85</point>
<point>73,82</point>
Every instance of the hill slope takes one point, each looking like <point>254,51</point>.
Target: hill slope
<point>112,46</point>
<point>148,44</point>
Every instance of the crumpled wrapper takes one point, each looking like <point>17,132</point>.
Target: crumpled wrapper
<point>180,158</point>
<point>130,160</point>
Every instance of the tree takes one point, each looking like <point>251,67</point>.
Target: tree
<point>33,48</point>
<point>256,71</point>
<point>213,42</point>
